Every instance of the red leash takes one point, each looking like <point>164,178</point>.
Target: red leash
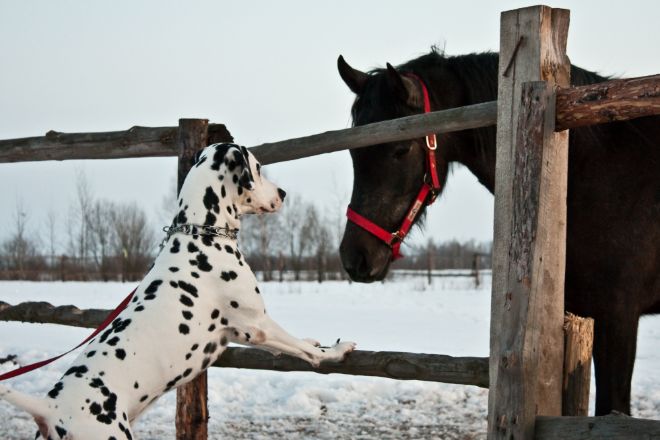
<point>394,239</point>
<point>111,317</point>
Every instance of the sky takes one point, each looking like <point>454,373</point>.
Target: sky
<point>265,69</point>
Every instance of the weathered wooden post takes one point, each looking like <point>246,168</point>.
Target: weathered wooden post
<point>191,399</point>
<point>527,340</point>
<point>578,346</point>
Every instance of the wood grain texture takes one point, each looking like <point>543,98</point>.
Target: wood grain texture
<point>616,100</point>
<point>578,347</point>
<point>394,365</point>
<point>131,143</point>
<point>410,127</point>
<point>612,427</point>
<point>529,231</point>
<point>192,412</point>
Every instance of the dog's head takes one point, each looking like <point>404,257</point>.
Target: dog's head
<point>242,181</point>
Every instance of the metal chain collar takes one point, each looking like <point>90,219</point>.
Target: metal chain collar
<point>191,229</point>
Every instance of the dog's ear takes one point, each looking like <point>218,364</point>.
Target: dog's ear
<point>245,179</point>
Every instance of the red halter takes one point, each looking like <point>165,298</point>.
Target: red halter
<point>427,193</point>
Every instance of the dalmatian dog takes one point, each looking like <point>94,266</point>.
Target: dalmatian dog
<point>199,296</point>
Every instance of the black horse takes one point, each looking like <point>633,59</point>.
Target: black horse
<point>613,230</point>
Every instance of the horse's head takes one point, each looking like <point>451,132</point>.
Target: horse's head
<point>387,177</point>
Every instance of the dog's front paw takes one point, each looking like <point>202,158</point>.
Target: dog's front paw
<point>313,342</point>
<point>341,349</point>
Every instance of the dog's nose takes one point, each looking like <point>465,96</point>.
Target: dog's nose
<point>282,193</point>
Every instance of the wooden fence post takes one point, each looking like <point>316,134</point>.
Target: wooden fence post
<point>578,346</point>
<point>191,398</point>
<point>526,342</point>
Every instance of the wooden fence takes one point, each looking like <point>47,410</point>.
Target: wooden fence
<point>530,344</point>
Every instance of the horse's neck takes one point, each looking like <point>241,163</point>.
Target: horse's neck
<point>474,149</point>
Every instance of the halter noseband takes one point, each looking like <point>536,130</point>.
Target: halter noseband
<point>426,195</point>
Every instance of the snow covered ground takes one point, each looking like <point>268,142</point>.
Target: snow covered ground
<point>449,317</point>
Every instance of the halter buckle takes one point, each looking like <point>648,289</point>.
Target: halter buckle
<point>432,145</point>
<point>397,237</point>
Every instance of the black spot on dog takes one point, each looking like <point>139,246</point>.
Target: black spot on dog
<point>207,240</point>
<point>96,383</point>
<point>113,341</point>
<point>215,313</point>
<point>187,372</point>
<point>184,329</point>
<point>120,354</point>
<point>181,217</point>
<point>175,246</point>
<point>200,161</point>
<point>91,353</point>
<point>223,192</point>
<point>136,386</point>
<point>224,321</point>
<point>234,304</point>
<point>210,348</point>
<point>186,301</point>
<point>95,408</point>
<point>256,289</point>
<point>194,274</point>
<point>56,390</point>
<point>188,356</point>
<point>211,327</point>
<point>202,262</point>
<point>174,284</point>
<point>192,247</point>
<point>206,363</point>
<point>210,220</point>
<point>77,371</point>
<point>229,210</point>
<point>234,178</point>
<point>143,398</point>
<point>219,155</point>
<point>139,308</point>
<point>223,341</point>
<point>153,287</point>
<point>229,249</point>
<point>189,288</point>
<point>247,337</point>
<point>194,347</point>
<point>227,276</point>
<point>211,199</point>
<point>174,269</point>
<point>60,431</point>
<point>187,315</point>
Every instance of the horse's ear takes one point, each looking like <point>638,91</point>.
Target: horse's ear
<point>403,87</point>
<point>353,78</point>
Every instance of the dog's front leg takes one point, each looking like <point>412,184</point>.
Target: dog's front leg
<point>268,335</point>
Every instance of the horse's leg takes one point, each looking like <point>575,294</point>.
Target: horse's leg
<point>615,343</point>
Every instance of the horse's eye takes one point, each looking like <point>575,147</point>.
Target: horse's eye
<point>400,152</point>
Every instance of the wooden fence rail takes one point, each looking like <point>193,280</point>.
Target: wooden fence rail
<point>576,106</point>
<point>390,364</point>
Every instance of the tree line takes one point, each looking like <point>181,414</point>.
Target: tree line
<point>103,240</point>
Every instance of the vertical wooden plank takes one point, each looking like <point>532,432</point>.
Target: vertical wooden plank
<point>578,346</point>
<point>530,214</point>
<point>191,398</point>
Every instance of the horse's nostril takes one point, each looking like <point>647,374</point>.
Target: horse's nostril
<point>282,193</point>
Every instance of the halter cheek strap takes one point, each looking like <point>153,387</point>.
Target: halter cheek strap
<point>426,195</point>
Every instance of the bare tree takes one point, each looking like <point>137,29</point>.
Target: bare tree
<point>77,224</point>
<point>133,240</point>
<point>100,227</point>
<point>19,250</point>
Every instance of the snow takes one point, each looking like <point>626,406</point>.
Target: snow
<point>449,317</point>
